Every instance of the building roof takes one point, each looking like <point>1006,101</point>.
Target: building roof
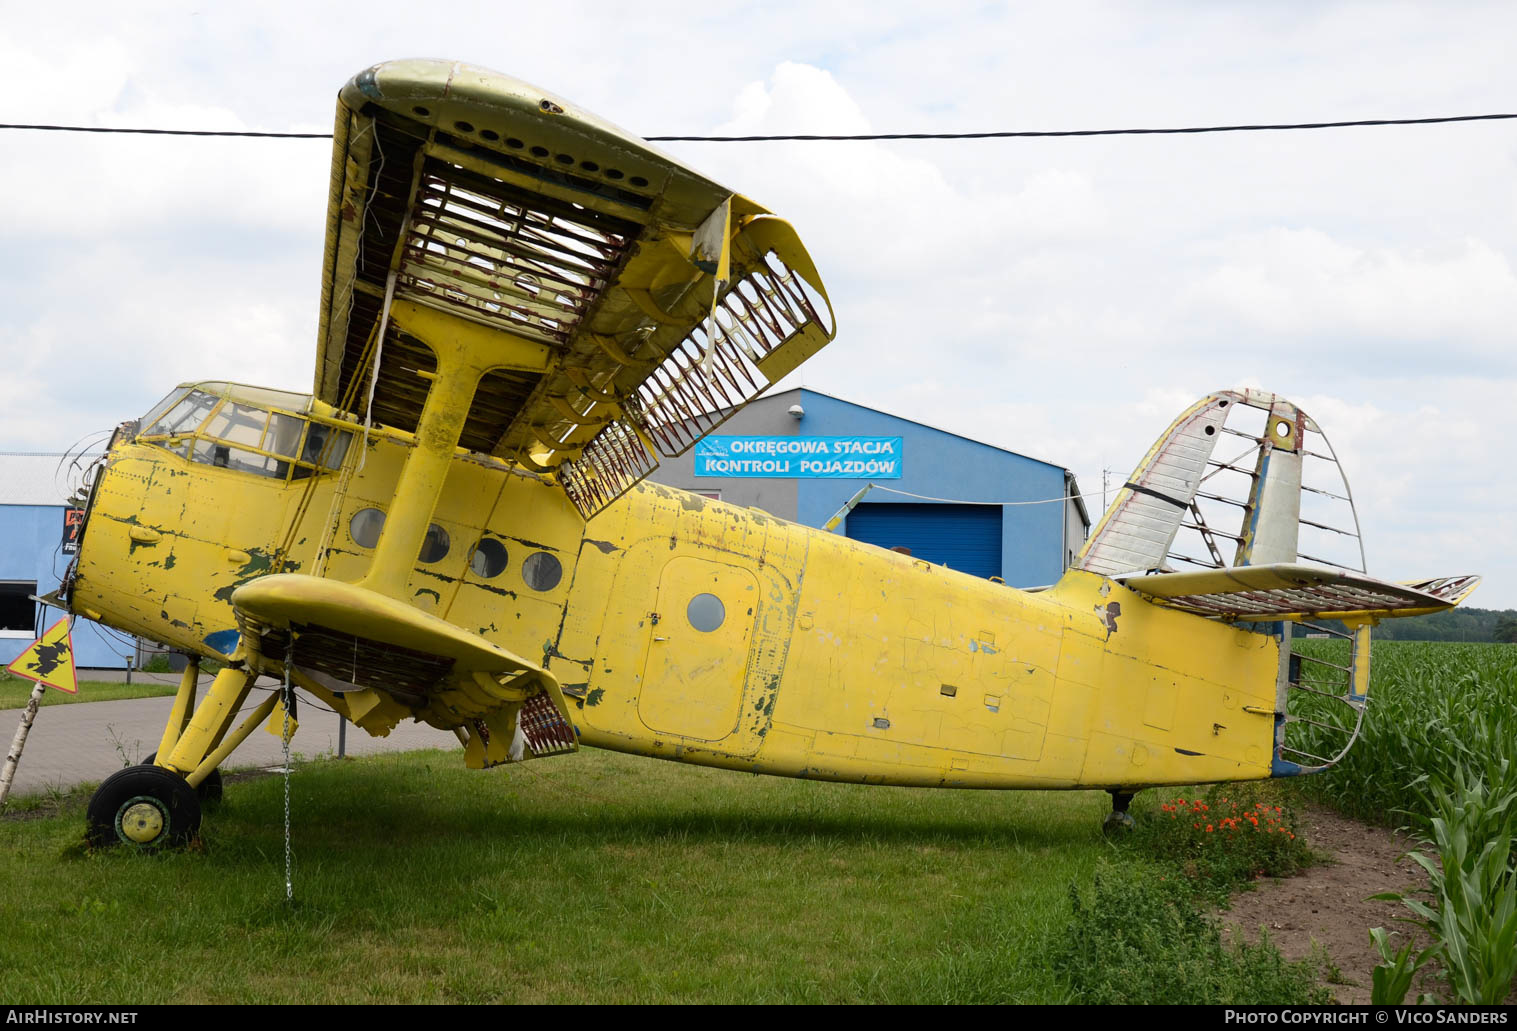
<point>1073,488</point>
<point>37,477</point>
<point>902,418</point>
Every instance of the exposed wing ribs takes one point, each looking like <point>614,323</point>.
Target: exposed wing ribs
<point>704,380</point>
<point>531,219</point>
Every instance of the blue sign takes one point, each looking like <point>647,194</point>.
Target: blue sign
<point>839,458</point>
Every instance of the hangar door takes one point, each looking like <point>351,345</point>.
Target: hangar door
<point>962,537</point>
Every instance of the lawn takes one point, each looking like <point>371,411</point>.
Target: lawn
<point>588,878</point>
<point>14,692</point>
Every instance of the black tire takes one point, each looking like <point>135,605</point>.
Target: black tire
<point>144,807</point>
<point>209,789</point>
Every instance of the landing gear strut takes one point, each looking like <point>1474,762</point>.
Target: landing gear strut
<point>209,790</point>
<point>151,807</point>
<point>1119,820</point>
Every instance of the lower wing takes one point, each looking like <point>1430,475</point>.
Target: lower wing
<point>373,654</point>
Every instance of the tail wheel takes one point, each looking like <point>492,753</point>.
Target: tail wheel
<point>143,807</point>
<point>1119,821</point>
<point>209,789</point>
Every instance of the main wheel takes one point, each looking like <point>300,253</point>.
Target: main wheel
<point>209,789</point>
<point>145,807</point>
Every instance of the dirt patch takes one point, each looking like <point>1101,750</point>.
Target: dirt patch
<point>1328,905</point>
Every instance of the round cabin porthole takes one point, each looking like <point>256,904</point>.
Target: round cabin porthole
<point>542,571</point>
<point>365,526</point>
<point>706,612</point>
<point>434,548</point>
<point>489,558</point>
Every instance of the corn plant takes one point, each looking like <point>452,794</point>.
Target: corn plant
<point>1474,888</point>
<point>1439,749</point>
<point>1392,979</point>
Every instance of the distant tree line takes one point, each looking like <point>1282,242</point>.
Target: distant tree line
<point>1462,624</point>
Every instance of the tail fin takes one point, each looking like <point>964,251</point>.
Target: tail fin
<point>1280,486</point>
<point>1186,507</point>
<point>1196,512</point>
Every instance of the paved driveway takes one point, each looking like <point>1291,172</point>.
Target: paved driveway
<point>89,741</point>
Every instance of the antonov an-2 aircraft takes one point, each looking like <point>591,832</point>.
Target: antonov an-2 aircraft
<point>521,307</point>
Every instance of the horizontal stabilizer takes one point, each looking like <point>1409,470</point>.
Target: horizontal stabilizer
<point>1292,591</point>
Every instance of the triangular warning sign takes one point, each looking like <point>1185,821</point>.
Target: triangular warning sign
<point>50,659</point>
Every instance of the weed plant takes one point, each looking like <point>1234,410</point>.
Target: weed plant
<point>1231,834</point>
<point>1139,938</point>
<point>1134,940</point>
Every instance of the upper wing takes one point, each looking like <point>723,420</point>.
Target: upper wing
<point>1293,591</point>
<point>470,192</point>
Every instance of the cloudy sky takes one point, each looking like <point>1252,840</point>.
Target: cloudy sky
<point>1064,298</point>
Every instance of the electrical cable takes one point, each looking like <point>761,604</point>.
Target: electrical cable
<point>961,501</point>
<point>809,137</point>
<point>1026,134</point>
<point>168,132</point>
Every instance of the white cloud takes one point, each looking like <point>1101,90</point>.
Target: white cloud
<point>1063,298</point>
<point>1303,283</point>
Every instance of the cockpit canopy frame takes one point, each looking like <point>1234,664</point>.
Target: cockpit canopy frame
<point>277,434</point>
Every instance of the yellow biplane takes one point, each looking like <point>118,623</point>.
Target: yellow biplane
<point>522,306</point>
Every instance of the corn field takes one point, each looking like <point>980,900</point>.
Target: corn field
<point>1438,753</point>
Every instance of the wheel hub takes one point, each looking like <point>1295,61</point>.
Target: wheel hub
<point>141,821</point>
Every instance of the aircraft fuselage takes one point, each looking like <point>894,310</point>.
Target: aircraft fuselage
<point>684,628</point>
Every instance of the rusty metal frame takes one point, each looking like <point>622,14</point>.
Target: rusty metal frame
<point>1215,538</point>
<point>1350,594</point>
<point>715,369</point>
<point>1334,682</point>
<point>544,727</point>
<point>516,261</point>
<point>615,460</point>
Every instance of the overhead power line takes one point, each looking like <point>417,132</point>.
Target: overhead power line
<point>1005,134</point>
<point>1010,134</point>
<point>169,132</point>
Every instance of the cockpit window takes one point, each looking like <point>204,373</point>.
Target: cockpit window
<point>284,435</point>
<point>246,437</point>
<point>238,424</point>
<point>325,447</point>
<point>224,456</point>
<point>162,406</point>
<point>185,417</point>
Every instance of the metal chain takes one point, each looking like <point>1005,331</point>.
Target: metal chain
<point>289,884</point>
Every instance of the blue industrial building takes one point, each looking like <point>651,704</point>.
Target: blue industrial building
<point>33,558</point>
<point>804,455</point>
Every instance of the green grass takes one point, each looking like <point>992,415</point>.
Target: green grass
<point>14,692</point>
<point>589,878</point>
<point>592,878</point>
